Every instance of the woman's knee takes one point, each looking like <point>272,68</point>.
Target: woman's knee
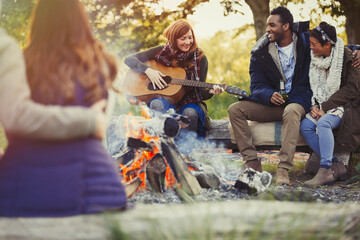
<point>329,121</point>
<point>307,127</point>
<point>190,113</point>
<point>157,105</point>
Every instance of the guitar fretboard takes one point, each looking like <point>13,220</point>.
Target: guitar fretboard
<point>190,83</point>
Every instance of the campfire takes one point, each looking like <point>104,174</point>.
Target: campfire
<point>148,157</point>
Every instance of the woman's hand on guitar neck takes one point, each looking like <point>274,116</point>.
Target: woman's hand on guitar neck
<point>217,89</point>
<point>156,78</point>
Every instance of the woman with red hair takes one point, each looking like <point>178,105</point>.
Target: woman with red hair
<point>66,65</point>
<point>181,50</point>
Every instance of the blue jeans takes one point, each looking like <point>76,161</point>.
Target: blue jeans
<point>322,142</point>
<point>193,111</point>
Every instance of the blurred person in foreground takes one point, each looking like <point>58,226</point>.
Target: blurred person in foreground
<point>66,66</point>
<point>19,115</point>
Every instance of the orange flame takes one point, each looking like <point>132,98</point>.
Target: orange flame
<point>137,168</point>
<point>145,111</point>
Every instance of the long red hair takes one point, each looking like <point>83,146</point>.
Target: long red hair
<point>61,50</point>
<point>176,30</point>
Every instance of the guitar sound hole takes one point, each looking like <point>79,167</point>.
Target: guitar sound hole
<point>167,80</point>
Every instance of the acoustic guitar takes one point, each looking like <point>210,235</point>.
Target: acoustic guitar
<point>138,89</point>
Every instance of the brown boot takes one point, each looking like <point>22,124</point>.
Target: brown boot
<point>340,171</point>
<point>313,164</point>
<point>324,176</point>
<point>282,176</point>
<point>254,164</point>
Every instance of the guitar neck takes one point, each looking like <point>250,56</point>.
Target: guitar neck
<point>191,83</point>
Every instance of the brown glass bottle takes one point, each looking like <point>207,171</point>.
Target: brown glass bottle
<point>283,92</point>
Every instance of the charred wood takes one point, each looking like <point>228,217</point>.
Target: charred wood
<point>155,173</point>
<point>139,145</point>
<point>253,181</point>
<point>207,177</point>
<point>177,164</point>
<point>131,186</point>
<point>126,159</point>
<point>183,195</point>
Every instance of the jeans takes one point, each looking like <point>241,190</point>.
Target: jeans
<point>193,111</point>
<point>321,142</point>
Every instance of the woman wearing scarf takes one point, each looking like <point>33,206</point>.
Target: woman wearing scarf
<point>334,82</point>
<point>180,50</point>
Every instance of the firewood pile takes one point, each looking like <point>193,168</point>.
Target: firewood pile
<point>147,156</point>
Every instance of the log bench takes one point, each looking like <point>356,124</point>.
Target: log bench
<point>266,136</point>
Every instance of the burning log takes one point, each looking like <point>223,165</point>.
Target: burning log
<point>183,195</point>
<point>150,151</point>
<point>177,164</point>
<point>155,173</point>
<point>132,186</point>
<point>125,159</point>
<point>140,145</point>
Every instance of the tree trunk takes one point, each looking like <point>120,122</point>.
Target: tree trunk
<point>260,10</point>
<point>352,10</point>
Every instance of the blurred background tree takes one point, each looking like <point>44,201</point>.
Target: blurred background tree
<point>14,18</point>
<point>350,9</point>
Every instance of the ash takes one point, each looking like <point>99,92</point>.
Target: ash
<point>226,192</point>
<point>337,193</point>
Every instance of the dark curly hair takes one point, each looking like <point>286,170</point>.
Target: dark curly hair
<point>323,32</point>
<point>285,16</point>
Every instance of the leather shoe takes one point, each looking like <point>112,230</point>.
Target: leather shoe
<point>254,164</point>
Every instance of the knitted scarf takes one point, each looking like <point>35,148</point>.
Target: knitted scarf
<point>325,73</point>
<point>168,54</point>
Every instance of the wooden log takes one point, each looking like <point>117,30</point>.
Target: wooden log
<point>242,219</point>
<point>155,173</point>
<point>139,145</point>
<point>177,164</point>
<point>266,136</point>
<point>130,187</point>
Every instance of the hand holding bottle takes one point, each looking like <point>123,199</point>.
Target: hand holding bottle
<point>279,98</point>
<point>283,93</point>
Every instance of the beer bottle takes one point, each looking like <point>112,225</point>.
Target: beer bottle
<point>283,92</point>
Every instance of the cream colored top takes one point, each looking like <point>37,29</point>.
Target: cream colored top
<point>19,115</point>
